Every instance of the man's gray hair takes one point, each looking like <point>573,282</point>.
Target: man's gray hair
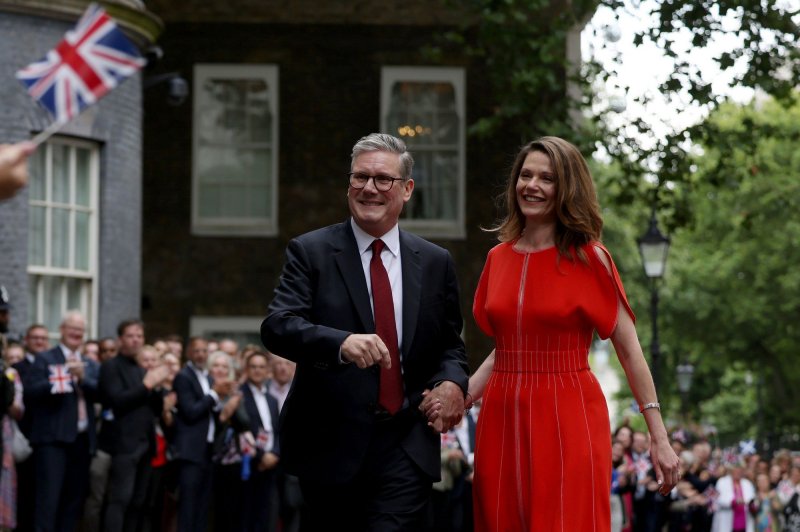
<point>384,142</point>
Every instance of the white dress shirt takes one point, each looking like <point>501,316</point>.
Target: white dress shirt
<point>391,261</point>
<point>259,394</point>
<point>83,419</point>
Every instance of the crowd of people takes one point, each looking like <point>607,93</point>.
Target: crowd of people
<point>116,434</point>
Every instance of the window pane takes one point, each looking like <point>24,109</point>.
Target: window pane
<point>209,198</point>
<point>259,201</point>
<point>233,200</point>
<point>36,236</point>
<point>60,174</point>
<point>75,294</point>
<point>82,178</point>
<point>36,183</point>
<point>33,300</point>
<point>82,241</point>
<point>59,247</point>
<point>53,302</point>
<point>228,176</point>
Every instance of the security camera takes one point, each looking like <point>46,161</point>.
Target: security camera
<point>178,91</point>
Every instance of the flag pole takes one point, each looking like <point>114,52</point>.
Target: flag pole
<point>47,133</point>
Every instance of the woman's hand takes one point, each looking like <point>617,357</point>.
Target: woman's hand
<point>666,465</point>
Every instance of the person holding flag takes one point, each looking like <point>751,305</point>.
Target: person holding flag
<point>14,167</point>
<point>62,426</point>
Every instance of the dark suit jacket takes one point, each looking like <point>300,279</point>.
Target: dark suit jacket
<point>255,418</point>
<point>191,423</point>
<point>135,408</point>
<point>54,417</point>
<point>322,298</point>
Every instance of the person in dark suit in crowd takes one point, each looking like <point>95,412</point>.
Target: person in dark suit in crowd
<point>59,394</point>
<point>198,398</point>
<point>371,316</point>
<point>132,394</point>
<point>262,412</point>
<point>36,341</point>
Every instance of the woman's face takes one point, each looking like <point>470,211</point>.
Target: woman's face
<point>220,369</point>
<point>775,473</point>
<point>536,188</point>
<point>624,436</point>
<point>762,482</point>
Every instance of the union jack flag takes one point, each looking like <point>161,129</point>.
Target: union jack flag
<point>90,61</point>
<point>60,379</point>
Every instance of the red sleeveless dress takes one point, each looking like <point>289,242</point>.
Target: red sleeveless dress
<point>543,448</point>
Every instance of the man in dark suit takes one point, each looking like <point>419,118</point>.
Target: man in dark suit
<point>61,388</point>
<point>198,402</point>
<point>371,316</point>
<point>37,341</point>
<point>130,392</point>
<point>262,412</point>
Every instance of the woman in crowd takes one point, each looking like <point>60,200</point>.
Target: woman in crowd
<point>543,453</point>
<point>735,493</point>
<point>8,472</point>
<point>765,507</point>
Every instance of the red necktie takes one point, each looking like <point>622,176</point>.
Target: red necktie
<point>390,395</point>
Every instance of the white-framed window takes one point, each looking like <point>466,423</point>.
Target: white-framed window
<point>244,329</point>
<point>235,150</point>
<point>425,106</point>
<point>63,232</point>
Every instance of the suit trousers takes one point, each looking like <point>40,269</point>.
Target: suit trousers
<point>194,494</point>
<point>62,479</point>
<point>127,491</point>
<point>389,493</point>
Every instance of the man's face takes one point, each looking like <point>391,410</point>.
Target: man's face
<point>374,211</point>
<point>72,330</point>
<point>108,350</point>
<point>230,347</point>
<point>91,350</point>
<point>37,340</point>
<point>197,352</point>
<point>639,442</point>
<point>131,341</point>
<point>257,369</point>
<point>282,370</point>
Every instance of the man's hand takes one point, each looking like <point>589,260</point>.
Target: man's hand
<point>170,400</point>
<point>268,461</point>
<point>14,167</point>
<point>443,406</point>
<point>155,376</point>
<point>75,369</point>
<point>365,350</point>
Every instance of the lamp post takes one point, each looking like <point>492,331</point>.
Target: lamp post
<point>684,373</point>
<point>653,247</point>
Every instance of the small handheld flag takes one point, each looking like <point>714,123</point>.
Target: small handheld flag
<point>60,379</point>
<point>91,60</point>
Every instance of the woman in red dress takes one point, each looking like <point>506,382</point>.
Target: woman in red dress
<point>543,450</point>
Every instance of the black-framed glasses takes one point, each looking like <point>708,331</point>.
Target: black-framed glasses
<point>382,182</point>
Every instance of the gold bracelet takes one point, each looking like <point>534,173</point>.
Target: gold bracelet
<point>647,406</point>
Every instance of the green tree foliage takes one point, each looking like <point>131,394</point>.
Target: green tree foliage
<point>733,292</point>
<point>521,46</point>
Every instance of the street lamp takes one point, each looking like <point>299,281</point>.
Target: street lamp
<point>684,373</point>
<point>653,247</point>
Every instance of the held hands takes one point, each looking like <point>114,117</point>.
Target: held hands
<point>365,350</point>
<point>443,406</point>
<point>666,465</point>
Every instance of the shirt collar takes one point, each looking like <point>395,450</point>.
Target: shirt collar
<point>364,240</point>
<point>255,389</point>
<point>201,371</point>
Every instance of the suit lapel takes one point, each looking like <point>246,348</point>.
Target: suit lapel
<point>348,260</point>
<point>412,288</point>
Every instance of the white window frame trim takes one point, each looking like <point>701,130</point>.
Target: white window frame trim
<point>94,229</point>
<point>270,73</point>
<point>199,325</point>
<point>454,230</point>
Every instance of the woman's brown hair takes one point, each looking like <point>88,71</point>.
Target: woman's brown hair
<point>578,220</point>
